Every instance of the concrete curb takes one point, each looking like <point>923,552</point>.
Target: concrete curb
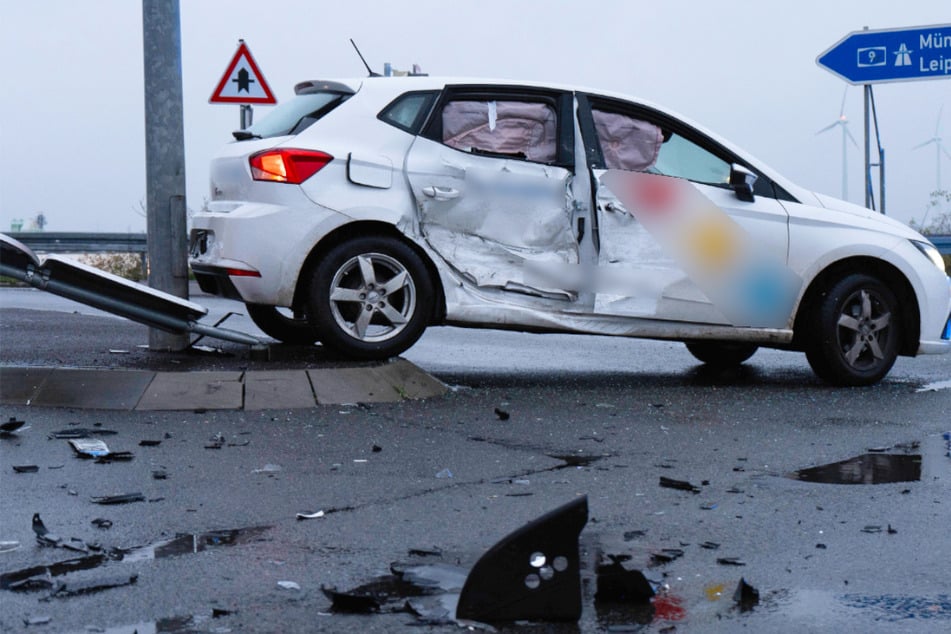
<point>143,390</point>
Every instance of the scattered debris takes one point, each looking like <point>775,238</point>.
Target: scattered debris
<point>681,485</point>
<point>101,522</point>
<point>425,552</point>
<point>7,546</point>
<point>89,447</point>
<point>310,516</point>
<point>745,596</point>
<point>81,432</point>
<point>632,535</point>
<point>289,585</point>
<point>351,602</point>
<point>821,546</point>
<point>268,468</point>
<point>872,529</point>
<point>891,531</point>
<point>665,556</point>
<point>869,468</point>
<point>118,351</point>
<point>25,468</point>
<point>710,545</point>
<point>730,561</point>
<point>445,473</point>
<point>159,474</point>
<point>617,584</point>
<point>38,620</point>
<point>125,498</point>
<point>12,426</point>
<point>74,588</point>
<point>216,442</point>
<point>376,449</point>
<point>708,506</point>
<point>149,443</point>
<point>502,414</point>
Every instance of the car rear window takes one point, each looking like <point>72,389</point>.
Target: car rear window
<point>409,110</point>
<point>294,116</point>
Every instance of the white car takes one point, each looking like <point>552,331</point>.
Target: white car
<point>362,211</point>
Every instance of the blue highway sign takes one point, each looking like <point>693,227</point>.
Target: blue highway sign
<point>907,54</point>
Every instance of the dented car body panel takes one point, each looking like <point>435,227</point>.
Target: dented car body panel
<point>498,189</point>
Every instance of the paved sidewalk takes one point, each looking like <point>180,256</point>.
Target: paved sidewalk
<point>118,389</point>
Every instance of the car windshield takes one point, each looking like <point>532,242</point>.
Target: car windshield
<point>293,116</point>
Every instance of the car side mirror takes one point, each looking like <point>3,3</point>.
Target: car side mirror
<point>742,180</point>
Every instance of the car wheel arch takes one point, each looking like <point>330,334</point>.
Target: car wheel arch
<point>363,228</point>
<point>884,271</point>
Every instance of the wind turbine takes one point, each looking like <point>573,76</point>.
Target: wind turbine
<point>938,149</point>
<point>843,121</point>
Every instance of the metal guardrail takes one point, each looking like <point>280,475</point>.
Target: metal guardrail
<point>943,243</point>
<point>79,242</point>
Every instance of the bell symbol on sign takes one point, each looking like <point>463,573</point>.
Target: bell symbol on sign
<point>903,56</point>
<point>244,80</point>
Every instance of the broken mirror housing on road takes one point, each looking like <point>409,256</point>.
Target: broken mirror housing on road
<point>531,574</point>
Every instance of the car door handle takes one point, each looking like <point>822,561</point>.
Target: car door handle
<point>441,193</point>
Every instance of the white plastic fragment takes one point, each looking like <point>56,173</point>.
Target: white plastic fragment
<point>268,468</point>
<point>934,387</point>
<point>289,585</point>
<point>8,546</point>
<point>310,516</point>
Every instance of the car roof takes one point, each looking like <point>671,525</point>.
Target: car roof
<point>400,84</point>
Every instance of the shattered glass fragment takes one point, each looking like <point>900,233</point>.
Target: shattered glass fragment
<point>445,473</point>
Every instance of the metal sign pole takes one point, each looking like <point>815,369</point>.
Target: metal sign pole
<point>868,160</point>
<point>165,158</point>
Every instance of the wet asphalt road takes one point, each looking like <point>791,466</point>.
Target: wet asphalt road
<point>631,411</point>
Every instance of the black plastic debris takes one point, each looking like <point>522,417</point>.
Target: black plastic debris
<point>103,523</point>
<point>376,449</point>
<point>632,535</point>
<point>681,485</point>
<point>745,596</point>
<point>81,432</point>
<point>730,561</point>
<point>43,536</point>
<point>532,574</point>
<point>502,414</point>
<point>25,468</point>
<point>159,474</point>
<point>125,498</point>
<point>216,442</point>
<point>150,443</point>
<point>872,529</point>
<point>618,584</point>
<point>890,530</point>
<point>710,545</point>
<point>352,602</point>
<point>37,620</point>
<point>425,552</point>
<point>869,468</point>
<point>11,426</point>
<point>665,556</point>
<point>40,577</point>
<point>115,456</point>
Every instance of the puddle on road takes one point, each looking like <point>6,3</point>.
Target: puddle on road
<point>869,468</point>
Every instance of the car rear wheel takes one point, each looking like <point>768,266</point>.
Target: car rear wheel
<point>371,298</point>
<point>284,326</point>
<point>855,329</point>
<point>721,354</point>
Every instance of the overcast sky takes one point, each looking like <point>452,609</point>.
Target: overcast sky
<point>71,108</point>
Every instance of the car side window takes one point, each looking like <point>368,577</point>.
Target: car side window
<point>408,111</point>
<point>505,128</point>
<point>632,143</point>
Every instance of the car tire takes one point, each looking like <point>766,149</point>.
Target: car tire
<point>721,354</point>
<point>370,298</point>
<point>286,329</point>
<point>854,331</point>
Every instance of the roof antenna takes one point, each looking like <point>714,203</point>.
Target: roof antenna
<point>369,70</point>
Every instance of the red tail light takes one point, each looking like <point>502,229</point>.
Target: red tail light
<point>287,165</point>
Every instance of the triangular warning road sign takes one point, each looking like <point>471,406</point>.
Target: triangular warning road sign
<point>243,82</point>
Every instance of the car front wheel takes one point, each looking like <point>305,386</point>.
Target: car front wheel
<point>855,330</point>
<point>285,327</point>
<point>370,298</point>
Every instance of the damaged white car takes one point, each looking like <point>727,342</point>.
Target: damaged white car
<point>362,211</point>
